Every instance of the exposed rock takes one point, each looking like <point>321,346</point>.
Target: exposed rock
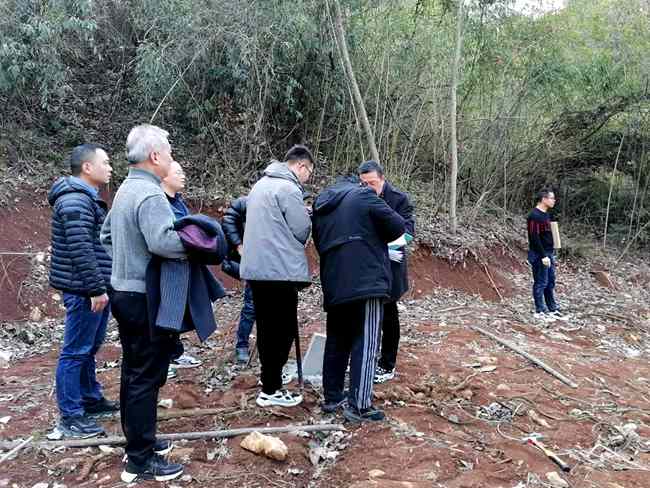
<point>267,445</point>
<point>556,481</point>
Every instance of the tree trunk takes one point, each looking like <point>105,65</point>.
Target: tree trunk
<point>339,32</point>
<point>453,133</point>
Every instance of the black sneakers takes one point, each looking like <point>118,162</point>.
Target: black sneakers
<point>79,427</point>
<point>162,447</point>
<point>156,468</point>
<point>331,406</point>
<point>102,408</point>
<point>371,414</point>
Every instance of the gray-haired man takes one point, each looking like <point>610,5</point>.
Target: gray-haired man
<point>141,224</point>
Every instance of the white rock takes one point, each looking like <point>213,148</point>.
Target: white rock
<point>166,403</point>
<point>41,485</point>
<point>5,420</point>
<point>556,481</point>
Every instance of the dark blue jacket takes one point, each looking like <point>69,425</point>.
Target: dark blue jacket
<point>351,227</point>
<point>178,206</point>
<point>79,263</point>
<point>399,201</point>
<point>180,293</point>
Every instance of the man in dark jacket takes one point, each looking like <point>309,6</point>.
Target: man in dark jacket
<point>233,224</point>
<point>372,174</point>
<point>541,256</point>
<point>351,229</point>
<point>81,269</point>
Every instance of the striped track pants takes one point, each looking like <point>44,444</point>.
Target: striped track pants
<point>352,337</point>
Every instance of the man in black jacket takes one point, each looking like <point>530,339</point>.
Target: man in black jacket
<point>351,229</point>
<point>81,269</point>
<point>233,224</point>
<point>372,174</point>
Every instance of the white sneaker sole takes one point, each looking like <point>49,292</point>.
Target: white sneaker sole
<point>383,378</point>
<point>127,477</point>
<point>274,403</point>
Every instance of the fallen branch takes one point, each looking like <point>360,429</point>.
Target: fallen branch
<point>178,413</point>
<point>16,449</point>
<point>213,434</point>
<point>528,356</point>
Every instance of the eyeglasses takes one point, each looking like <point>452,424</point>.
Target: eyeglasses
<point>310,169</point>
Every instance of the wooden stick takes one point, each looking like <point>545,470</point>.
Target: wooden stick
<point>213,434</point>
<point>16,449</point>
<point>487,272</point>
<point>528,356</point>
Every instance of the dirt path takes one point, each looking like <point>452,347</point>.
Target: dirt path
<point>457,409</point>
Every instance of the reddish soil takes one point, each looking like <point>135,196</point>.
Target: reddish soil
<point>418,447</point>
<point>26,228</point>
<point>487,278</point>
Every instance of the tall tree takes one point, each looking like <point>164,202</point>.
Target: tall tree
<point>339,32</point>
<point>453,136</point>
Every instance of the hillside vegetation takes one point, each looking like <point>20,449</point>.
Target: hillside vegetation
<point>560,98</point>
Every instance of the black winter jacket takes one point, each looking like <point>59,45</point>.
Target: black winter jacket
<point>233,224</point>
<point>79,263</point>
<point>399,201</point>
<point>351,227</point>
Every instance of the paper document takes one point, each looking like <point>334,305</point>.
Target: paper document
<point>401,241</point>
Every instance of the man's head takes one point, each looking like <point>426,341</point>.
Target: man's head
<point>546,198</point>
<point>148,148</point>
<point>90,163</point>
<point>301,162</point>
<point>372,175</point>
<point>175,179</point>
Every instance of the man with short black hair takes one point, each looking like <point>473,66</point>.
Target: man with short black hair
<point>139,225</point>
<point>352,228</point>
<point>372,174</point>
<point>541,255</point>
<point>275,265</point>
<point>81,269</point>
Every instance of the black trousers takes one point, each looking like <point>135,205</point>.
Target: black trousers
<point>390,333</point>
<point>145,360</point>
<point>352,337</point>
<point>276,312</point>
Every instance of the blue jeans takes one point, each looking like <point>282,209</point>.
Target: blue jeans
<point>246,318</point>
<point>543,283</point>
<point>76,384</point>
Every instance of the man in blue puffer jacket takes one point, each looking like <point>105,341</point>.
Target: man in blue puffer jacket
<point>81,269</point>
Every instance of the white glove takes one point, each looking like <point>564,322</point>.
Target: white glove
<point>546,262</point>
<point>394,255</point>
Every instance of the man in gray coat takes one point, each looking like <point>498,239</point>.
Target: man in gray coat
<point>274,263</point>
<point>140,224</point>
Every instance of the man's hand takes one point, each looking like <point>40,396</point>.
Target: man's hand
<point>240,249</point>
<point>98,303</point>
<point>546,262</point>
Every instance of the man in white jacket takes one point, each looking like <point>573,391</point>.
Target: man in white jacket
<point>274,263</point>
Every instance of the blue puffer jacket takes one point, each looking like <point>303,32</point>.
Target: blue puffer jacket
<point>79,263</point>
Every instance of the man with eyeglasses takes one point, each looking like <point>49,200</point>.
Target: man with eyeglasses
<point>541,256</point>
<point>274,263</point>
